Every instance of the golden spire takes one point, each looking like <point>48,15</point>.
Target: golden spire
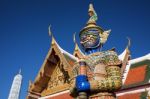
<point>93,16</point>
<point>91,8</point>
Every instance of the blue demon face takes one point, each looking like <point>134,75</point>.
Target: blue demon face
<point>90,38</point>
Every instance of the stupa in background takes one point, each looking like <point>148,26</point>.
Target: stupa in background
<point>16,85</point>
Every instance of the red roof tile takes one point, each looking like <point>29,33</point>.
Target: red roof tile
<point>130,96</point>
<point>136,75</point>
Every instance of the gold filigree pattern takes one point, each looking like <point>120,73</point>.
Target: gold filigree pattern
<point>57,78</point>
<point>111,82</point>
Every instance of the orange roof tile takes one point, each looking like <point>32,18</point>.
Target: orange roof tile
<point>130,96</point>
<point>136,75</point>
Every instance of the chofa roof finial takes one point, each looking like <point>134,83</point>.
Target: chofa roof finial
<point>49,30</point>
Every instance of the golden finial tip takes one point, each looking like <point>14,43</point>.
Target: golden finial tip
<point>49,30</point>
<point>91,7</point>
<point>93,16</point>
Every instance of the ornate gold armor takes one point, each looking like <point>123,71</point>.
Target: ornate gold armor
<point>103,72</point>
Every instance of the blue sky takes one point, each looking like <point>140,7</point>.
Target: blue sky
<point>24,40</point>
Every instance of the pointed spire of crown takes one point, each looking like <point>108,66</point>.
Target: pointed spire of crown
<point>93,16</point>
<point>91,7</point>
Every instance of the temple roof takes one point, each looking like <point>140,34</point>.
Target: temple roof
<point>137,72</point>
<point>134,62</point>
<point>139,95</point>
<point>63,51</point>
<point>55,54</point>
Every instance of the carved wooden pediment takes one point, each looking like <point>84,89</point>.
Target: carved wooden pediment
<point>59,80</point>
<point>54,74</point>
